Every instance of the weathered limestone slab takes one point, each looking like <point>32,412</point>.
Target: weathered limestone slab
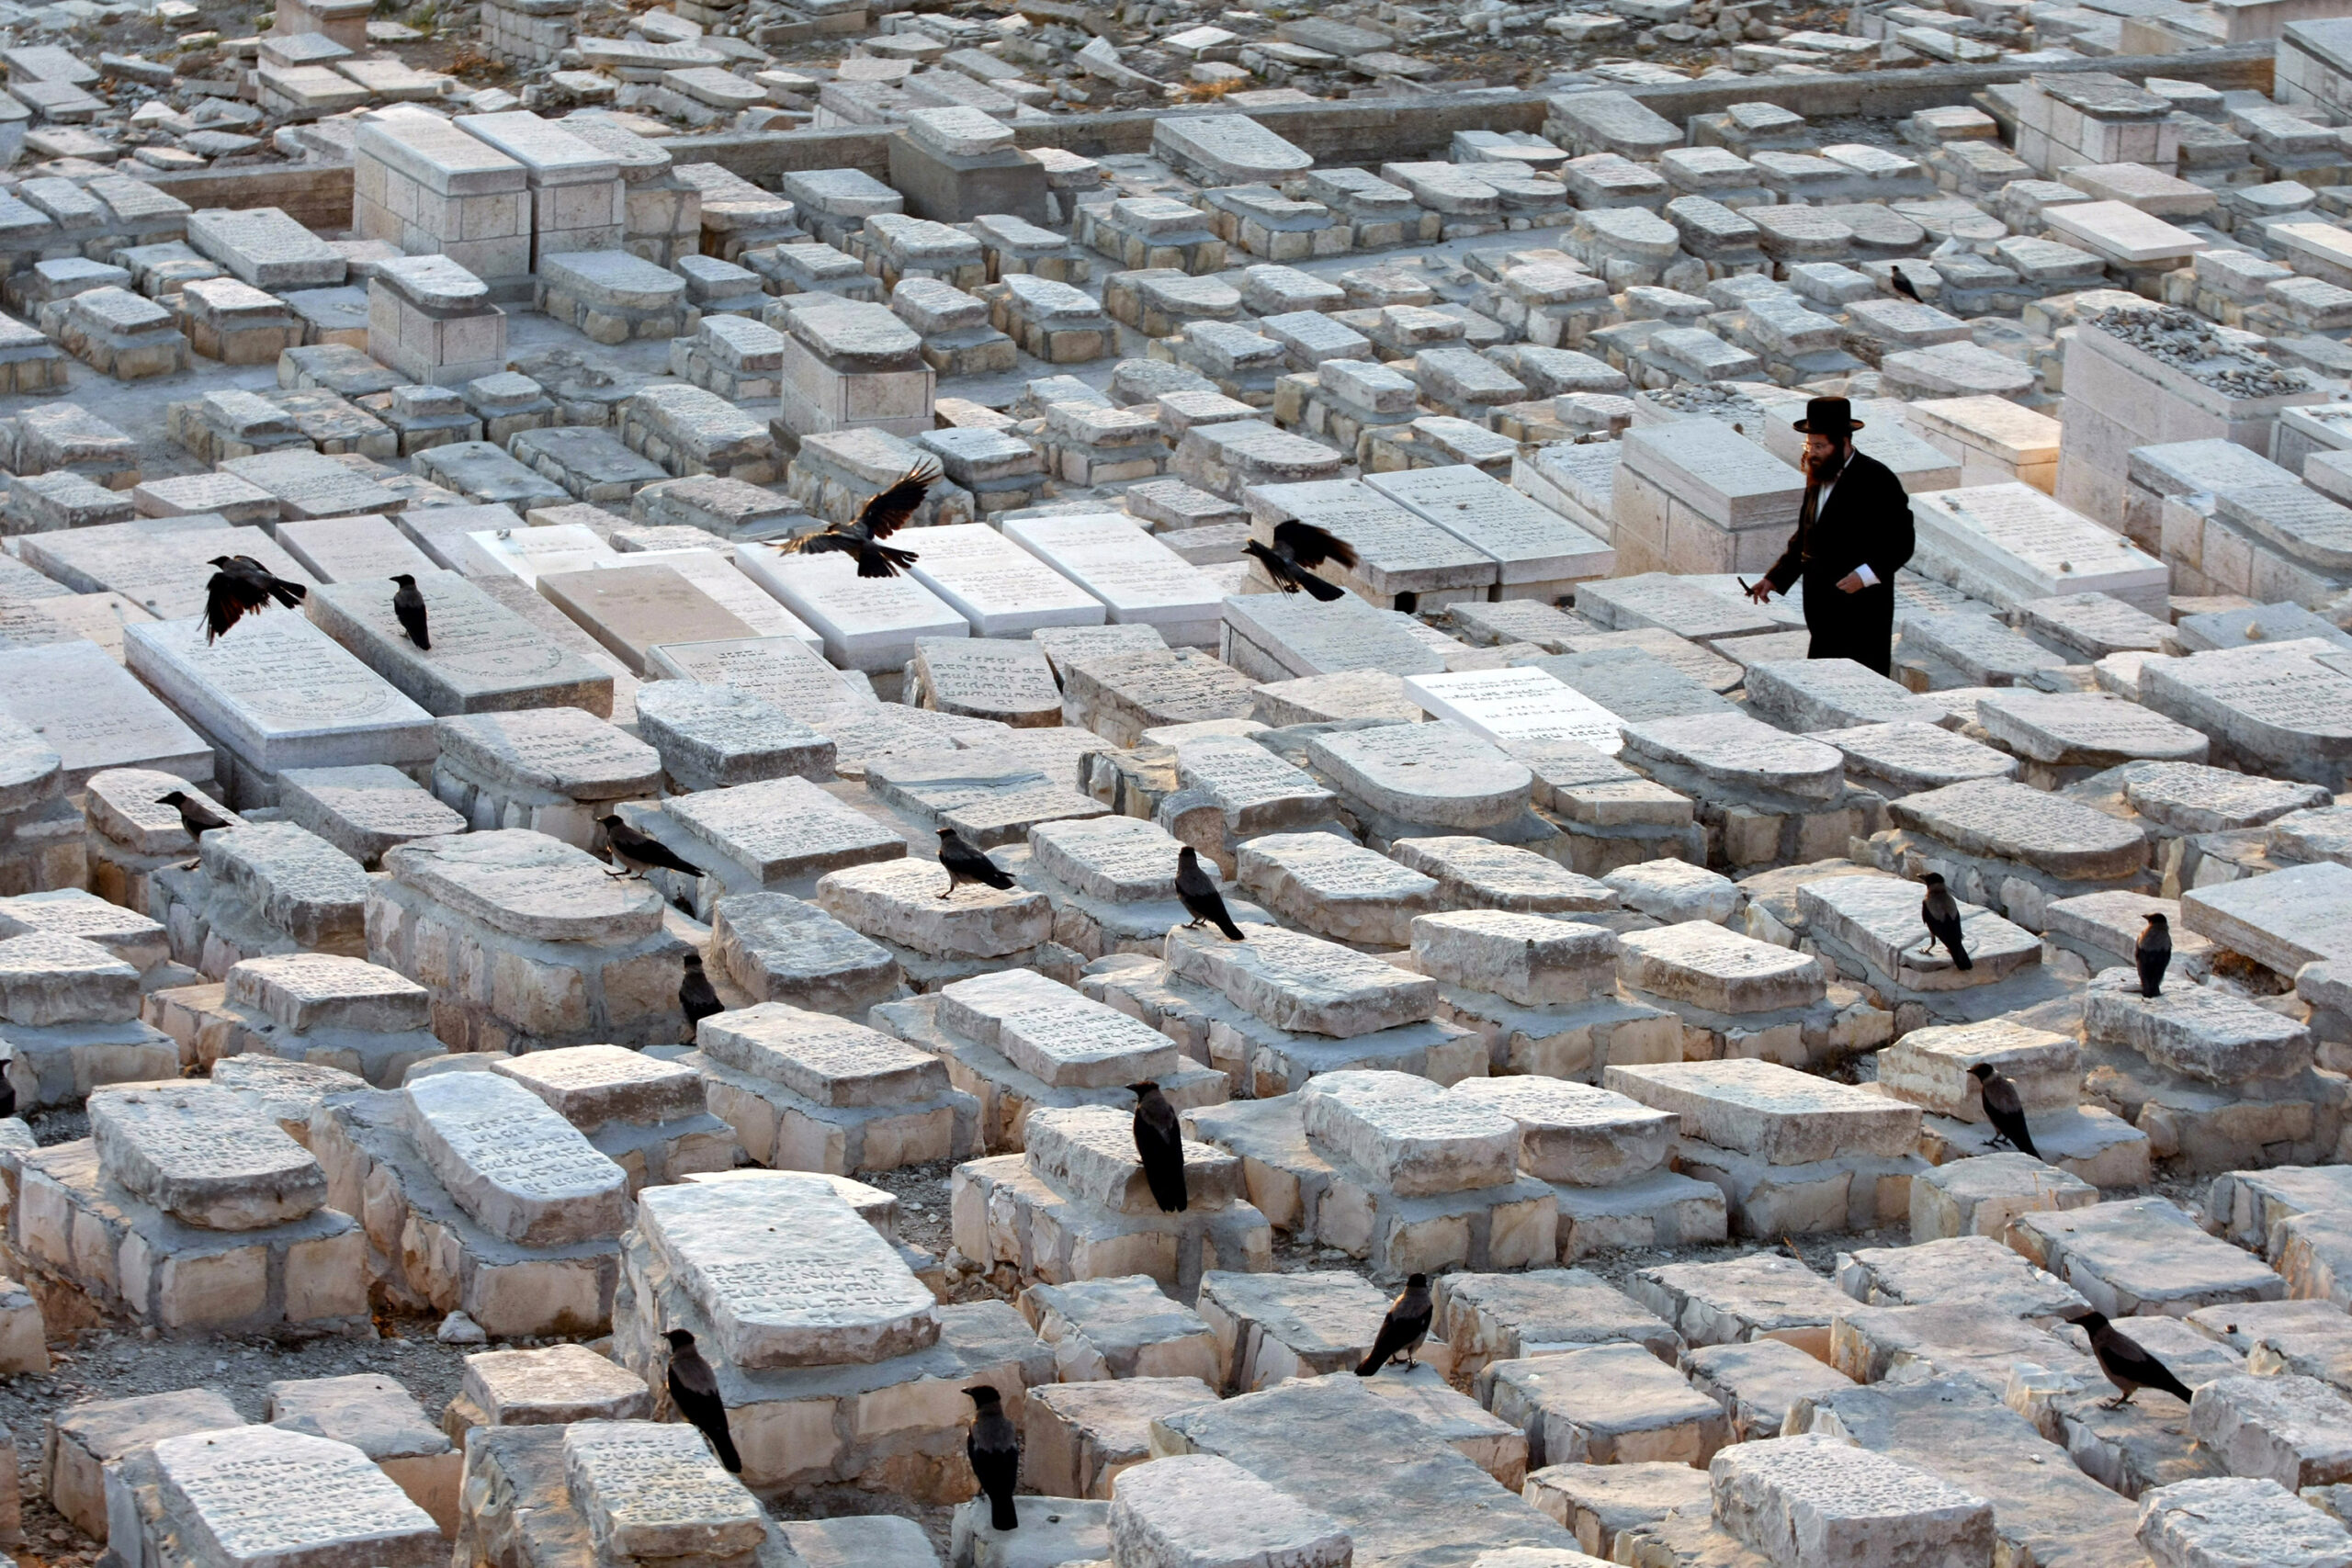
<point>513,1163</point>
<point>2142,1256</point>
<point>1299,982</point>
<point>825,1291</point>
<point>1771,1111</point>
<point>1821,1501</point>
<point>203,1156</point>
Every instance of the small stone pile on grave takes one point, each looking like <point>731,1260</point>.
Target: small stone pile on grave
<point>715,1256</point>
<point>1393,1170</point>
<point>188,1211</point>
<point>1018,1043</point>
<point>807,1090</point>
<point>1074,1204</point>
<point>1793,1154</point>
<point>481,1198</point>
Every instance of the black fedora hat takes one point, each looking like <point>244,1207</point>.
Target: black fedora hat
<point>1827,416</point>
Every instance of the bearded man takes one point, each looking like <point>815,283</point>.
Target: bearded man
<point>1853,534</point>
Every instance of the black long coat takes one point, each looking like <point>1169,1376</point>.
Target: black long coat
<point>1867,520</point>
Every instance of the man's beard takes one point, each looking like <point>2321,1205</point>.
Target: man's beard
<point>1825,470</point>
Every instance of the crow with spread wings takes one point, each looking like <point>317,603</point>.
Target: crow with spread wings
<point>884,515</point>
<point>240,587</point>
<point>1299,547</point>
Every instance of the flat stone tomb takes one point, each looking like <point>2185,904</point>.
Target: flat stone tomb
<point>202,1155</point>
<point>824,1290</point>
<point>1508,705</point>
<point>1138,579</point>
<point>277,692</point>
<point>253,1494</point>
<point>1003,590</point>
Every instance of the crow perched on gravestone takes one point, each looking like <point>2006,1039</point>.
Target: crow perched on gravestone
<point>693,1389</point>
<point>696,997</point>
<point>2126,1363</point>
<point>2153,956</point>
<point>1940,911</point>
<point>1402,1331</point>
<point>1201,897</point>
<point>408,605</point>
<point>964,864</point>
<point>1904,286</point>
<point>637,851</point>
<point>994,1448</point>
<point>883,516</point>
<point>242,586</point>
<point>1159,1143</point>
<point>193,816</point>
<point>2003,1108</point>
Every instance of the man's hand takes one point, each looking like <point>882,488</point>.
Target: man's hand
<point>1762,592</point>
<point>1851,583</point>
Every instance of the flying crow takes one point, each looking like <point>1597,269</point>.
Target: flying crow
<point>884,515</point>
<point>1297,548</point>
<point>242,586</point>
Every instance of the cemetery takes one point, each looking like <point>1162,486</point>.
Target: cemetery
<point>1115,783</point>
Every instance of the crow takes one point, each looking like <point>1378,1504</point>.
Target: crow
<point>1202,900</point>
<point>408,605</point>
<point>2154,955</point>
<point>2003,1109</point>
<point>636,851</point>
<point>1402,1331</point>
<point>1902,285</point>
<point>994,1448</point>
<point>240,587</point>
<point>964,864</point>
<point>1159,1143</point>
<point>1297,547</point>
<point>693,1389</point>
<point>1942,913</point>
<point>8,1097</point>
<point>884,515</point>
<point>193,816</point>
<point>697,998</point>
<point>2127,1365</point>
